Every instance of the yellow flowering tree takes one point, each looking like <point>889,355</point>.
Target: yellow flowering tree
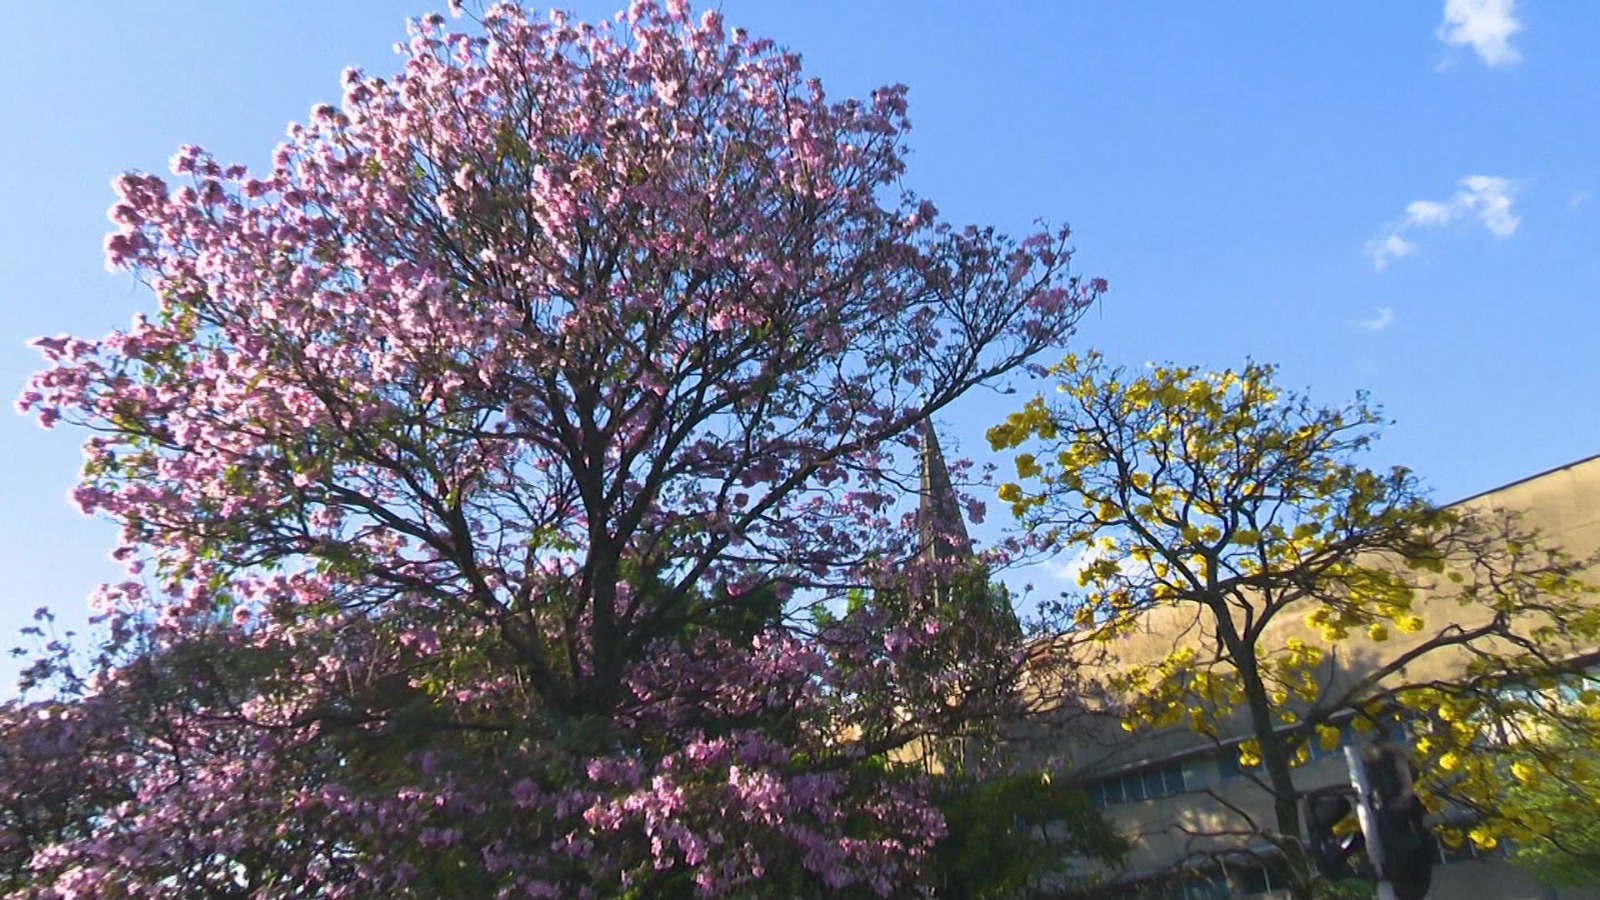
<point>1299,585</point>
<point>1560,794</point>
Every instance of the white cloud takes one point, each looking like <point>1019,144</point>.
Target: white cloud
<point>1427,212</point>
<point>1485,25</point>
<point>1577,199</point>
<point>1379,322</point>
<point>1389,249</point>
<point>1484,197</point>
<point>1068,569</point>
<point>1490,198</point>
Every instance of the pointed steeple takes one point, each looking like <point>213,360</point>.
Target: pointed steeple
<point>941,530</point>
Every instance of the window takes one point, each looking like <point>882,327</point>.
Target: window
<point>1149,783</point>
<point>1259,879</point>
<point>1346,738</point>
<point>1228,757</point>
<point>1228,763</point>
<point>1155,784</point>
<point>1208,885</point>
<point>1254,880</point>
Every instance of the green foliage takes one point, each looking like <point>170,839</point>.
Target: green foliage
<point>967,658</point>
<point>1562,797</point>
<point>1570,854</point>
<point>1349,889</point>
<point>1010,834</point>
<point>1009,831</point>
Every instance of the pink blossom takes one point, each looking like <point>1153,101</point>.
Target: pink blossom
<point>485,418</point>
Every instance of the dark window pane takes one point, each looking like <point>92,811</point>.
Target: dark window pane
<point>1133,787</point>
<point>1162,889</point>
<point>1155,784</point>
<point>1253,881</point>
<point>1228,763</point>
<point>1278,878</point>
<point>1174,776</point>
<point>1211,886</point>
<point>1113,790</point>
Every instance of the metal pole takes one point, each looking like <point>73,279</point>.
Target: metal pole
<point>1369,821</point>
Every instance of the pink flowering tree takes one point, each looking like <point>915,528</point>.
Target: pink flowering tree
<point>473,465</point>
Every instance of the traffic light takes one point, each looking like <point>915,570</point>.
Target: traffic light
<point>1331,852</point>
<point>1409,850</point>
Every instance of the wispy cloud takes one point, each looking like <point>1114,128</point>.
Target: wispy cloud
<point>1389,249</point>
<point>1577,199</point>
<point>1484,197</point>
<point>1069,568</point>
<point>1383,319</point>
<point>1484,25</point>
<point>1069,565</point>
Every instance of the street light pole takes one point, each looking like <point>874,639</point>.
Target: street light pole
<point>1369,821</point>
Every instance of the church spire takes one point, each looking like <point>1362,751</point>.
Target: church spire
<point>941,530</point>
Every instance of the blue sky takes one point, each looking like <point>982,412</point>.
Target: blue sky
<point>1400,198</point>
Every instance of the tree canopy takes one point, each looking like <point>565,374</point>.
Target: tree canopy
<point>468,465</point>
<point>1297,587</point>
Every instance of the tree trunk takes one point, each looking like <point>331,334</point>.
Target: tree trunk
<point>1275,763</point>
